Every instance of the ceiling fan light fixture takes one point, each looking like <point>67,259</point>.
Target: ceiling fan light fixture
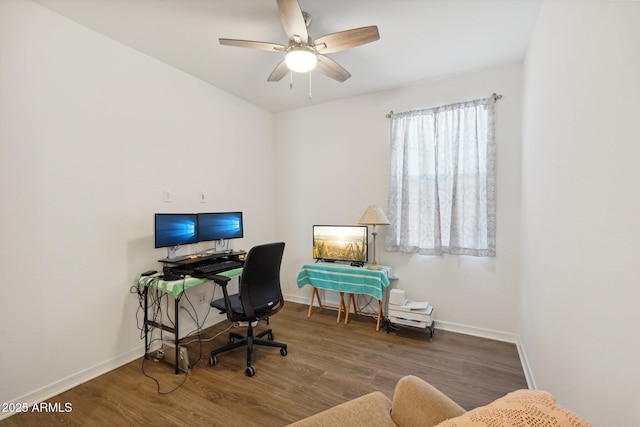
<point>301,59</point>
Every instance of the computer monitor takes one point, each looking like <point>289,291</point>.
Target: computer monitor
<point>346,243</point>
<point>172,230</point>
<point>220,226</point>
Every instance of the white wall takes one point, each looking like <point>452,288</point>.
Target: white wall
<point>581,210</point>
<point>91,133</point>
<point>333,161</point>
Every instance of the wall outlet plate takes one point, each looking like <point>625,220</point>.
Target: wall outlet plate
<point>201,298</point>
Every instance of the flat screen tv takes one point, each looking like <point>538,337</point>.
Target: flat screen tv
<point>172,230</point>
<point>346,243</point>
<point>220,226</point>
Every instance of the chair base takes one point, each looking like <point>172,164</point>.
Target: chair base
<point>249,340</point>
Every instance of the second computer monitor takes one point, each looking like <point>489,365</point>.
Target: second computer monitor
<point>220,226</point>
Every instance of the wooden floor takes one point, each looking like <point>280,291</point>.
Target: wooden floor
<point>327,364</point>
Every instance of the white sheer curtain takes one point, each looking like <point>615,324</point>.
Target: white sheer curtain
<point>442,180</point>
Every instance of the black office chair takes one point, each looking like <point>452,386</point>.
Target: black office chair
<point>259,298</point>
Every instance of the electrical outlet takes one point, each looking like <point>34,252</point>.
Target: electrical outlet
<point>201,298</point>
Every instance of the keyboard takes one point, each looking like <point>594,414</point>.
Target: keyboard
<point>215,267</point>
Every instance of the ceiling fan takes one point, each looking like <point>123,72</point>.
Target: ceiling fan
<point>304,54</point>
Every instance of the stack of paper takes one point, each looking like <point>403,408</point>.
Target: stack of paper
<point>409,305</point>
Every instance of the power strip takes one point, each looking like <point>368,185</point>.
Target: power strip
<point>167,353</point>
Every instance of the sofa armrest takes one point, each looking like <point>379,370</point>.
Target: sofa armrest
<point>418,403</point>
<point>520,408</point>
<point>369,410</point>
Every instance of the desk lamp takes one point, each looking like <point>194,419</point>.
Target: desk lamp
<point>374,216</point>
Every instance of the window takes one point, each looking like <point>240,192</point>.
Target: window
<point>442,180</point>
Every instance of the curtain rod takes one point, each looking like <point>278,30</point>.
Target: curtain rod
<point>495,97</point>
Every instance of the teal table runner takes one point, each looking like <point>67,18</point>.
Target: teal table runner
<point>344,278</point>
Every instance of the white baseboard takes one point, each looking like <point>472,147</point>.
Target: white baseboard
<point>477,332</point>
<point>297,298</point>
<point>528,374</point>
<point>494,335</point>
<point>54,389</point>
<point>331,299</point>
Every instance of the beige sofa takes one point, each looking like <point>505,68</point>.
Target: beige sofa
<point>417,403</point>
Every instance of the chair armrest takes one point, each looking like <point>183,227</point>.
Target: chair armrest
<point>418,403</point>
<point>220,280</point>
<point>369,410</point>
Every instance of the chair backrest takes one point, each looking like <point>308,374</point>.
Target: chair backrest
<point>260,291</point>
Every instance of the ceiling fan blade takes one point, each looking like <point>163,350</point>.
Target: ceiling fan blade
<point>279,72</point>
<point>331,68</point>
<point>347,39</point>
<point>292,20</point>
<point>252,45</point>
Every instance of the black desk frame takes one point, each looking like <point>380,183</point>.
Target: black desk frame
<point>181,261</point>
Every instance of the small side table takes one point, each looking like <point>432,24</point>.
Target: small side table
<point>345,279</point>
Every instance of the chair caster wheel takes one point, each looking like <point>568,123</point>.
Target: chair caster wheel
<point>213,361</point>
<point>250,371</point>
<point>283,351</point>
<point>270,336</point>
<point>230,340</point>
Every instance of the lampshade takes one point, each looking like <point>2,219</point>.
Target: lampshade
<point>374,216</point>
<point>301,59</point>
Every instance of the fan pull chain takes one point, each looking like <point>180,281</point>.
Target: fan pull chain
<point>291,83</point>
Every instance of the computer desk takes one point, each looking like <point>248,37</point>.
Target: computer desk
<point>176,289</point>
<point>346,279</point>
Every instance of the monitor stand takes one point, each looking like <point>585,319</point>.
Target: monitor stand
<point>172,251</point>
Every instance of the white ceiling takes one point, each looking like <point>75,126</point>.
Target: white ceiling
<point>419,40</point>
